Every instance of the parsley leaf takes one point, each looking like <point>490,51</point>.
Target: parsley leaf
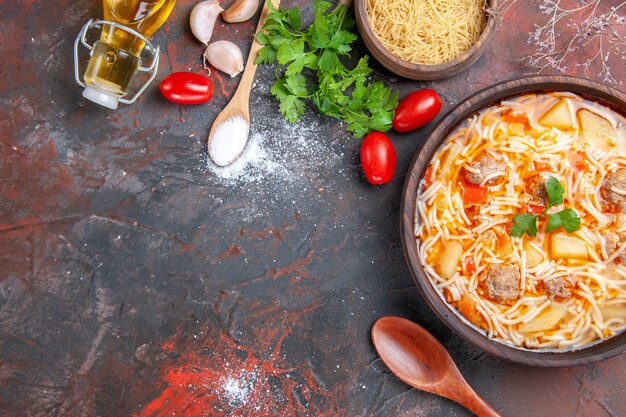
<point>311,66</point>
<point>296,84</point>
<point>554,222</point>
<point>292,108</point>
<point>570,220</point>
<point>566,218</point>
<point>341,41</point>
<point>290,91</point>
<point>266,56</point>
<point>293,15</point>
<point>290,52</point>
<point>524,223</point>
<point>555,192</point>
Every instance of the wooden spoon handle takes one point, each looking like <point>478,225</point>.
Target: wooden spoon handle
<point>475,403</point>
<point>248,73</point>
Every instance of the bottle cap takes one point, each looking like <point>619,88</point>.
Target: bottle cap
<point>101,97</point>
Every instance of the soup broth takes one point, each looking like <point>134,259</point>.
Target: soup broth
<point>550,288</point>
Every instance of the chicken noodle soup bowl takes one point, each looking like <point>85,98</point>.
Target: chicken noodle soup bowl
<point>555,299</point>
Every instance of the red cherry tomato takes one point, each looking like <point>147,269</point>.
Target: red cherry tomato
<point>378,158</point>
<point>416,110</point>
<point>186,88</point>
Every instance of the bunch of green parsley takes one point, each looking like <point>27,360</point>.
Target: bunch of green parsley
<point>311,67</point>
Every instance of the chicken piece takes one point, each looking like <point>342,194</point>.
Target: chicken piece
<point>558,289</point>
<point>537,188</point>
<point>612,242</point>
<point>501,283</point>
<point>485,166</point>
<point>616,180</point>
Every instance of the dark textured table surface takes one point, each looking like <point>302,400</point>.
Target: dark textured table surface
<point>134,280</point>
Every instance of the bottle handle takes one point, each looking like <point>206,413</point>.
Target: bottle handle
<point>81,39</point>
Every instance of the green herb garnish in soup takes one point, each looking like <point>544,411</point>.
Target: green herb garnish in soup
<point>566,218</point>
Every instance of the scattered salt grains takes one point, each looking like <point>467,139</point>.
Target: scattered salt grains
<point>284,166</point>
<point>237,390</point>
<point>281,152</point>
<point>253,163</point>
<point>229,140</point>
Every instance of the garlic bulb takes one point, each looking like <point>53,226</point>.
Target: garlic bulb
<point>202,19</point>
<point>225,56</point>
<point>241,10</point>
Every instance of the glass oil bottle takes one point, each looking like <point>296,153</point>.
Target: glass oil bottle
<point>116,57</point>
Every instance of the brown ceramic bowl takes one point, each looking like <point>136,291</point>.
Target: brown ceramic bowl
<point>422,72</point>
<point>448,314</point>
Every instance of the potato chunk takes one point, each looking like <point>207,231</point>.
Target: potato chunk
<point>597,131</point>
<point>467,307</point>
<point>568,247</point>
<point>533,256</point>
<point>547,320</point>
<point>558,116</point>
<point>620,131</point>
<point>449,259</point>
<point>614,311</point>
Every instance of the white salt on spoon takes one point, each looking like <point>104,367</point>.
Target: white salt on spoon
<point>228,140</point>
<point>229,133</point>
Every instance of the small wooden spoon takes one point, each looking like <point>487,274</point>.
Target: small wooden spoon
<point>418,359</point>
<point>239,105</point>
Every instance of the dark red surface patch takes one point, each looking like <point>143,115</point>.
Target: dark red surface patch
<point>213,373</point>
<point>33,179</point>
<point>232,251</point>
<point>225,378</point>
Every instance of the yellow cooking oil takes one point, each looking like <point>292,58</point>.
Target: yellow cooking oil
<point>116,56</point>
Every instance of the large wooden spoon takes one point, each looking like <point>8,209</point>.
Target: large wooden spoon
<point>418,359</point>
<point>239,105</point>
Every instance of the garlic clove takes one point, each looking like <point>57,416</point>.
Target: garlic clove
<point>240,11</point>
<point>225,56</point>
<point>202,19</point>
